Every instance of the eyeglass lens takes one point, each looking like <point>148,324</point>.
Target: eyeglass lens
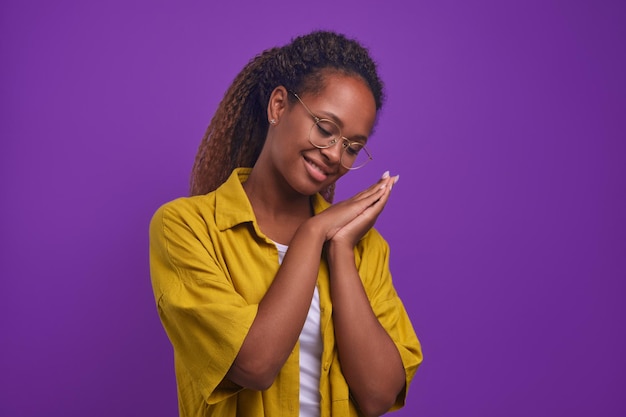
<point>325,133</point>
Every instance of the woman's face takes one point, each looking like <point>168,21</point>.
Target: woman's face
<point>347,101</point>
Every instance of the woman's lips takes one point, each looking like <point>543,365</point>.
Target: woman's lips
<point>315,170</point>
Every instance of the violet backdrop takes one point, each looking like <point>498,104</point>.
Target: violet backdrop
<point>505,120</point>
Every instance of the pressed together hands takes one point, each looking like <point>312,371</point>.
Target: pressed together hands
<point>346,222</point>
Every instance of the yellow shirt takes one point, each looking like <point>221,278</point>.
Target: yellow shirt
<point>211,266</point>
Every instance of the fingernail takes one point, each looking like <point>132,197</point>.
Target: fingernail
<point>382,186</point>
<point>396,179</point>
<point>385,175</point>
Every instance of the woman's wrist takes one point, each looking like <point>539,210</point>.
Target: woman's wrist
<point>312,230</point>
<point>338,249</point>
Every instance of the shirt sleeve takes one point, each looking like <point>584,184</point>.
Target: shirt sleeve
<point>387,305</point>
<point>204,317</point>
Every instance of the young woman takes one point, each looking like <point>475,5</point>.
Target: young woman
<point>276,302</point>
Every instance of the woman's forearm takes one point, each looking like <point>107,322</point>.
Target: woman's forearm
<point>281,313</point>
<point>369,359</point>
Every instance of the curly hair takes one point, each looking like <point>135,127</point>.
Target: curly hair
<point>237,131</point>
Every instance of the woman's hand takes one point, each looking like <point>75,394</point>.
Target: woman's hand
<point>349,220</point>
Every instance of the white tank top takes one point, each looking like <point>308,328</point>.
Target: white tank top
<point>310,353</point>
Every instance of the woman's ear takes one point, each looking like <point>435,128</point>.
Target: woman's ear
<point>277,105</point>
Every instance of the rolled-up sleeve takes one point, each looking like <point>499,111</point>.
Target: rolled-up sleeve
<point>205,319</point>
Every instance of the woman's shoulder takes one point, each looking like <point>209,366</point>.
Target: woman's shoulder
<point>185,207</point>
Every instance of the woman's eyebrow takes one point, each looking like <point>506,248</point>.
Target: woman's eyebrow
<point>358,138</point>
<point>329,115</point>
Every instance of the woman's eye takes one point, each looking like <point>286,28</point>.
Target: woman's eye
<point>328,129</point>
<point>322,131</point>
<point>353,149</point>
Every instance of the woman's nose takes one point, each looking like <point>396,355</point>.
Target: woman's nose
<point>333,152</point>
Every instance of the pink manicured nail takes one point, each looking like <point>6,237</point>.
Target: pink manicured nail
<point>385,175</point>
<point>396,179</point>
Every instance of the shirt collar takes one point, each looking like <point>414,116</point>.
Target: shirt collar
<point>232,206</point>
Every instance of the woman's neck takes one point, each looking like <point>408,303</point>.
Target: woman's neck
<point>278,212</point>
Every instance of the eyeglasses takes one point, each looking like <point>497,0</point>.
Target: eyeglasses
<point>325,134</point>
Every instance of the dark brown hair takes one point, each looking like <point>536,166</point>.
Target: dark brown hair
<point>237,131</point>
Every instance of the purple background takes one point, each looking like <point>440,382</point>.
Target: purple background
<point>506,121</point>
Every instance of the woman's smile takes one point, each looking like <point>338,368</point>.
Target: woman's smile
<point>317,171</point>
